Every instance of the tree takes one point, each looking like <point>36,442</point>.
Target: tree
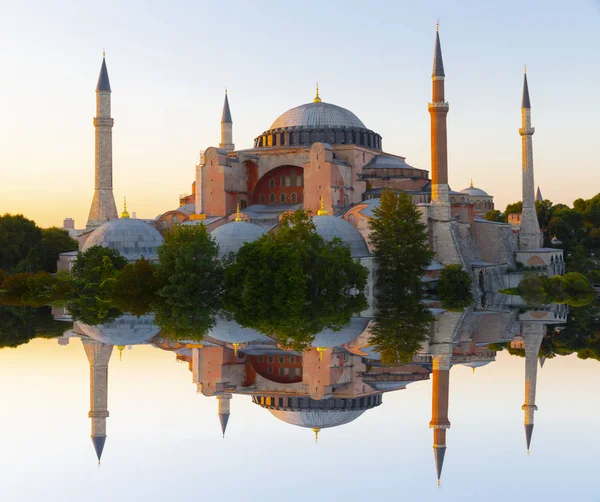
<point>55,241</point>
<point>19,325</point>
<point>454,287</point>
<point>293,284</point>
<point>495,215</point>
<point>515,207</point>
<point>20,241</point>
<point>191,276</point>
<point>402,254</point>
<point>136,287</point>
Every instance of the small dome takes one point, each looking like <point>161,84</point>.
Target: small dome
<point>130,237</point>
<point>318,114</point>
<point>330,227</point>
<point>126,330</point>
<point>475,192</point>
<point>231,332</point>
<point>329,338</point>
<point>233,235</point>
<point>317,419</point>
<point>476,364</point>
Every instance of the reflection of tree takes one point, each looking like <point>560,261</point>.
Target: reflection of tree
<point>402,255</point>
<point>292,284</point>
<point>18,325</point>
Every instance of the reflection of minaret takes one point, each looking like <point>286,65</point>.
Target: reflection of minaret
<point>533,333</point>
<point>530,236</point>
<point>103,205</point>
<point>98,355</point>
<point>438,109</point>
<point>439,409</point>
<point>224,410</point>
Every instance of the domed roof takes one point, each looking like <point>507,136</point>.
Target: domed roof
<point>474,192</point>
<point>330,227</point>
<point>329,338</point>
<point>231,332</point>
<point>476,364</point>
<point>233,235</point>
<point>126,330</point>
<point>318,114</point>
<point>317,419</point>
<point>130,237</point>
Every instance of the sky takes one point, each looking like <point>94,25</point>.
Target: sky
<point>169,63</point>
<point>164,440</point>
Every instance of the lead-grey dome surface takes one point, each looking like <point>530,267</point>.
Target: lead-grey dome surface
<point>475,192</point>
<point>329,338</point>
<point>233,235</point>
<point>330,227</point>
<point>130,237</point>
<point>317,419</point>
<point>231,332</point>
<point>126,330</point>
<point>318,115</point>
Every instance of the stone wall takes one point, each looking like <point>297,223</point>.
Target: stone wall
<point>495,242</point>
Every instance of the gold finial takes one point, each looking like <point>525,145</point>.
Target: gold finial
<point>525,69</point>
<point>317,98</point>
<point>437,25</point>
<point>237,213</point>
<point>321,350</point>
<point>103,53</point>
<point>236,346</point>
<point>322,211</point>
<point>473,368</point>
<point>316,430</point>
<point>225,89</point>
<point>125,214</point>
<point>120,347</point>
<point>528,452</point>
<point>439,483</point>
<point>471,182</point>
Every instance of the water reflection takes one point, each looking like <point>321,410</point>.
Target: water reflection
<point>336,379</point>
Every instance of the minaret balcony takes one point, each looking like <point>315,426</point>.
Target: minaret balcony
<point>525,131</point>
<point>442,106</point>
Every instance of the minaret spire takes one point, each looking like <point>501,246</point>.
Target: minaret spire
<point>530,236</point>
<point>439,410</point>
<point>103,204</point>
<point>226,127</point>
<point>532,333</point>
<point>438,109</point>
<point>98,355</point>
<point>224,410</point>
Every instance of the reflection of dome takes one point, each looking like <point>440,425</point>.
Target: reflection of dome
<point>233,235</point>
<point>126,330</point>
<point>314,414</point>
<point>330,227</point>
<point>231,332</point>
<point>318,115</point>
<point>476,364</point>
<point>132,238</point>
<point>330,338</point>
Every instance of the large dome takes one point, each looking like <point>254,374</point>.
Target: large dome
<point>329,338</point>
<point>330,227</point>
<point>317,419</point>
<point>233,235</point>
<point>130,237</point>
<point>318,115</point>
<point>126,330</point>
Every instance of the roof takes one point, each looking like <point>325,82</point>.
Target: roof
<point>130,237</point>
<point>226,117</point>
<point>103,81</point>
<point>330,338</point>
<point>330,227</point>
<point>318,114</point>
<point>126,330</point>
<point>475,192</point>
<point>525,103</point>
<point>317,419</point>
<point>384,161</point>
<point>231,332</point>
<point>233,235</point>
<point>438,63</point>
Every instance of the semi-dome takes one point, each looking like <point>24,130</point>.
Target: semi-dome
<point>329,338</point>
<point>126,330</point>
<point>233,235</point>
<point>330,227</point>
<point>130,237</point>
<point>318,114</point>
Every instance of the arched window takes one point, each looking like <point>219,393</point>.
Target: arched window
<point>165,224</point>
<point>271,183</point>
<point>294,198</point>
<point>175,219</point>
<point>243,204</point>
<point>282,197</point>
<point>452,200</point>
<point>272,197</point>
<point>261,199</point>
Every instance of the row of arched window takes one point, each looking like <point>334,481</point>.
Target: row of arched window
<point>283,198</point>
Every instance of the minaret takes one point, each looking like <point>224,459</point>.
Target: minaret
<point>98,355</point>
<point>530,236</point>
<point>224,410</point>
<point>226,127</point>
<point>533,333</point>
<point>439,409</point>
<point>103,205</point>
<point>438,109</point>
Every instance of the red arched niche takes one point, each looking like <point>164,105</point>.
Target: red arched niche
<point>282,185</point>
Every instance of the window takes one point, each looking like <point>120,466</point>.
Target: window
<point>280,372</point>
<point>271,183</point>
<point>300,180</point>
<point>270,370</point>
<point>271,359</point>
<point>282,181</point>
<point>272,197</point>
<point>243,204</point>
<point>294,198</point>
<point>261,199</point>
<point>260,359</point>
<point>293,360</point>
<point>281,359</point>
<point>282,197</point>
<point>175,219</point>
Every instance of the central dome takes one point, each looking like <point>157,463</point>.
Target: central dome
<point>318,115</point>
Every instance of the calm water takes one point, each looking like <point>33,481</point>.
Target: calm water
<point>164,438</point>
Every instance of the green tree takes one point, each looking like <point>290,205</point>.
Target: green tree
<point>19,325</point>
<point>454,287</point>
<point>495,215</point>
<point>136,287</point>
<point>402,254</point>
<point>515,207</point>
<point>191,276</point>
<point>20,242</point>
<point>292,284</point>
<point>54,242</point>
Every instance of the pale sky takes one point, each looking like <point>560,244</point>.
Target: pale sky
<point>169,63</point>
